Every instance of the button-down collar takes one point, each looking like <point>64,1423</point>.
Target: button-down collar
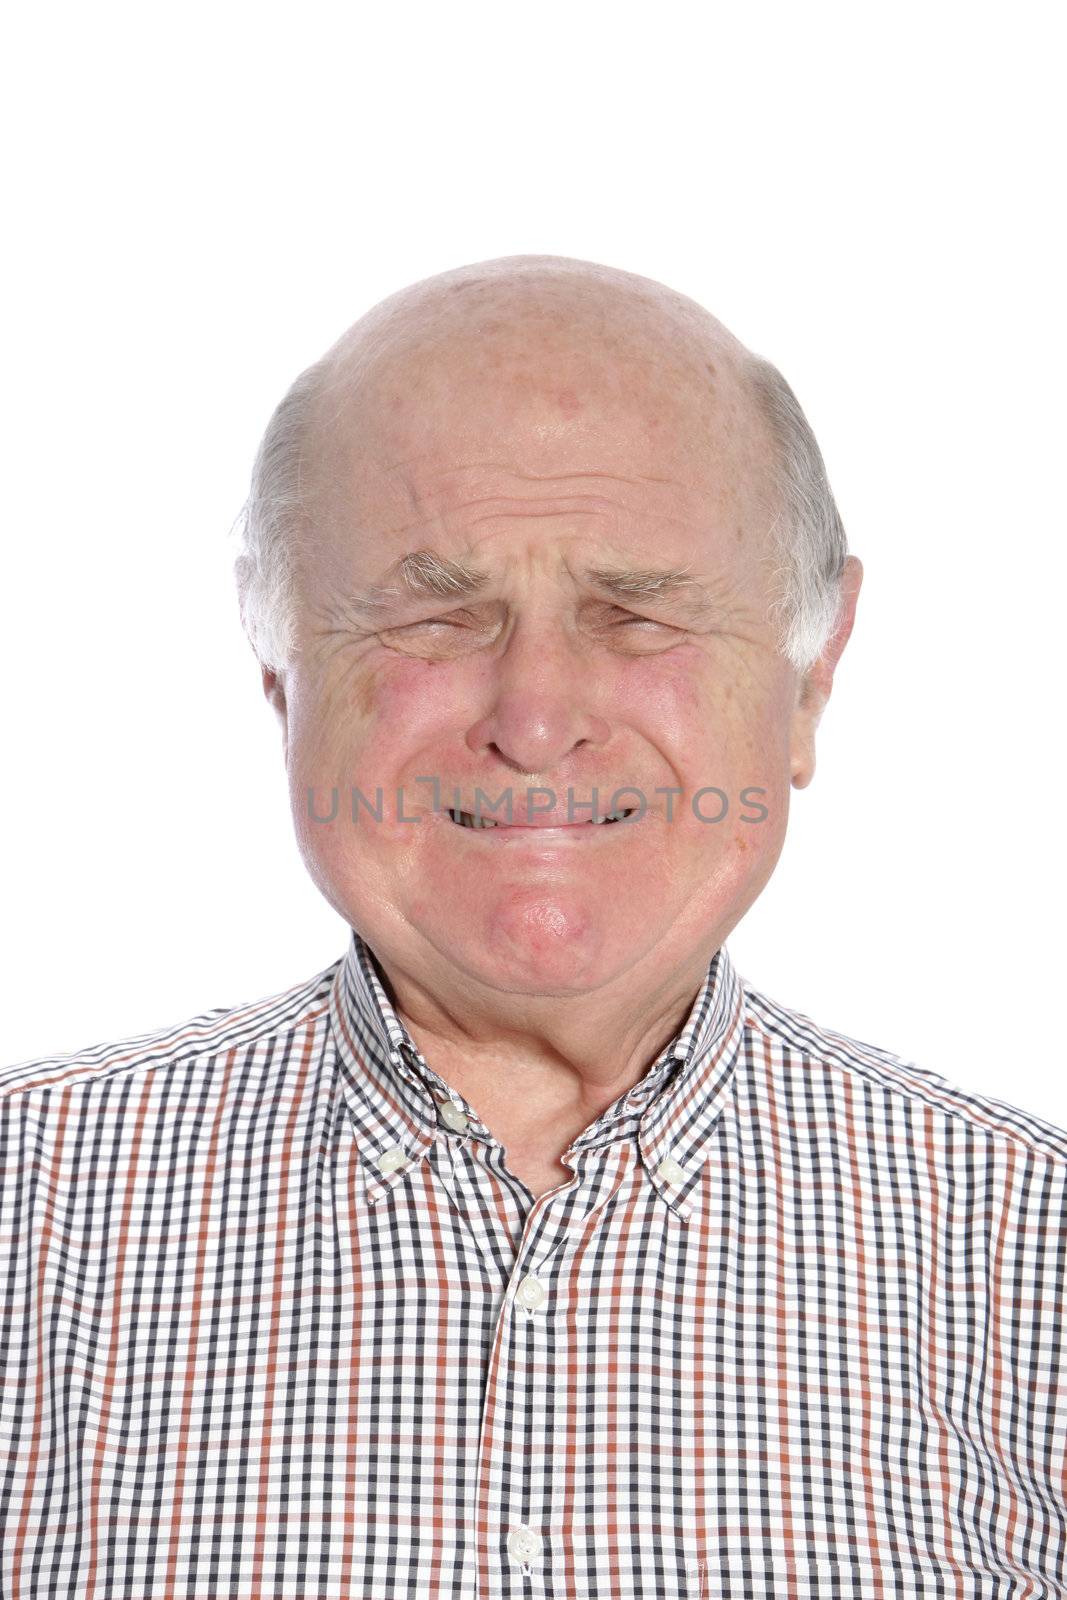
<point>395,1096</point>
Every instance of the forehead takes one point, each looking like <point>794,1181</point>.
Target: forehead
<point>501,437</point>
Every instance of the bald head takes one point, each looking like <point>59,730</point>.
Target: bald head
<point>549,345</point>
<point>561,368</point>
<point>551,302</point>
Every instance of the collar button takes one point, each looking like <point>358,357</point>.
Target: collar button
<point>390,1159</point>
<point>453,1117</point>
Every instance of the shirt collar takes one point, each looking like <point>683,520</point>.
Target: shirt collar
<point>396,1099</point>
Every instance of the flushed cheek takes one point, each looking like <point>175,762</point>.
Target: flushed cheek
<point>366,729</point>
<point>405,705</point>
<point>711,722</point>
<point>403,686</point>
<point>450,696</point>
<point>664,690</point>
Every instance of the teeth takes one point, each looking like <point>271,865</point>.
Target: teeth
<point>464,819</point>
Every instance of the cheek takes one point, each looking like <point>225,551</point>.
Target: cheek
<point>666,692</point>
<point>401,702</point>
<point>700,710</point>
<point>368,720</point>
<point>722,728</point>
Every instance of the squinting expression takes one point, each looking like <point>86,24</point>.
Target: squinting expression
<point>527,593</point>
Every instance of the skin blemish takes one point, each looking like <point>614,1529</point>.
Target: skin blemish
<point>364,696</point>
<point>568,401</point>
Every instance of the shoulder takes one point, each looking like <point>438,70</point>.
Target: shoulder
<point>209,1033</point>
<point>787,1035</point>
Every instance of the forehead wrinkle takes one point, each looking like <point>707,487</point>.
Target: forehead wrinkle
<point>539,477</point>
<point>534,510</point>
<point>448,483</point>
<point>686,509</point>
<point>454,521</point>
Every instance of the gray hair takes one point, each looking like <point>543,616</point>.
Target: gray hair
<point>807,555</point>
<point>808,544</point>
<point>271,525</point>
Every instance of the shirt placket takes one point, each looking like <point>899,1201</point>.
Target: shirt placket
<point>520,1466</point>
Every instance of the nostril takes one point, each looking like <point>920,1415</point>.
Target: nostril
<point>531,777</point>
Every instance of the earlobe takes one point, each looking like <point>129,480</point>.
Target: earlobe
<point>802,753</point>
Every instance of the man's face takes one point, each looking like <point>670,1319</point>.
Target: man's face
<point>538,465</point>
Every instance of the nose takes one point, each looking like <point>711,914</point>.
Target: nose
<point>540,703</point>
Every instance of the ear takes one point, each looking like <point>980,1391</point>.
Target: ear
<point>274,689</point>
<point>813,690</point>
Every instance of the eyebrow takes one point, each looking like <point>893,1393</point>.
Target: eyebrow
<point>426,575</point>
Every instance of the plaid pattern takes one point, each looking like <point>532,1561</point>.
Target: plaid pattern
<point>278,1322</point>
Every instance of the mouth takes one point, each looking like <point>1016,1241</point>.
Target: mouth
<point>465,819</point>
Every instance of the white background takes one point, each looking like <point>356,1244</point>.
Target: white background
<point>201,198</point>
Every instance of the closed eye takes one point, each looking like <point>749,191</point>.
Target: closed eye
<point>427,622</point>
<point>451,619</point>
<point>642,622</point>
<point>636,634</point>
<point>456,632</point>
<point>617,620</point>
<point>442,637</point>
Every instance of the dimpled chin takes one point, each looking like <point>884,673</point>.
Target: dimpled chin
<point>546,939</point>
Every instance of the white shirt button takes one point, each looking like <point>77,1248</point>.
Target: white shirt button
<point>530,1293</point>
<point>453,1117</point>
<point>523,1544</point>
<point>670,1171</point>
<point>390,1159</point>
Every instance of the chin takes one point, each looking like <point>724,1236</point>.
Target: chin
<point>544,943</point>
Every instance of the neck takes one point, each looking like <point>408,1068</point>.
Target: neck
<point>544,1061</point>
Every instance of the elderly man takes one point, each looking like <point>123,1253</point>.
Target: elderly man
<point>527,1250</point>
